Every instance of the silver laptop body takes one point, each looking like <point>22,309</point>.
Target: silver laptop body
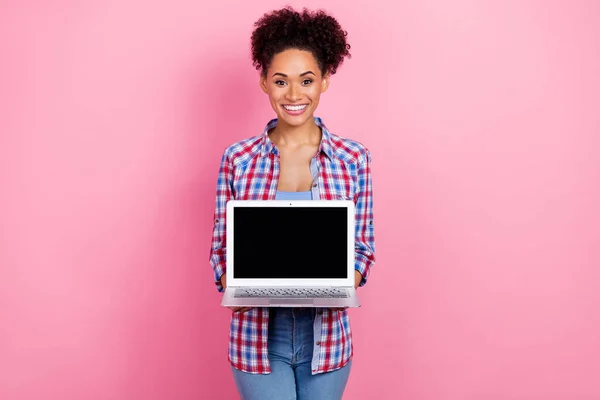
<point>283,253</point>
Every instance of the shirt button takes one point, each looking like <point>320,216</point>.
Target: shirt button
<point>216,221</point>
<point>318,343</point>
<point>314,185</point>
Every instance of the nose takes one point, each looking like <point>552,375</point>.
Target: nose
<point>293,94</point>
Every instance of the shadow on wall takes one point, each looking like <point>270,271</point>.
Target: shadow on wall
<point>220,104</point>
<point>227,106</point>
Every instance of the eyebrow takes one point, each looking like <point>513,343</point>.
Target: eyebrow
<point>302,74</point>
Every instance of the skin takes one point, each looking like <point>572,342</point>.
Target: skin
<point>294,78</point>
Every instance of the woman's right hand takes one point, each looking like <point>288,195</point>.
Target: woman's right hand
<point>234,309</point>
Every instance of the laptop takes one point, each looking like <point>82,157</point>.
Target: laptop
<point>283,253</point>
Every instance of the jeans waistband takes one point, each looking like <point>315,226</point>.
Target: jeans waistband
<point>292,313</point>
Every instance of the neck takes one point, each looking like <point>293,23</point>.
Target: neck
<point>288,135</point>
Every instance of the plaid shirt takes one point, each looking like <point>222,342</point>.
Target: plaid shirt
<point>250,171</point>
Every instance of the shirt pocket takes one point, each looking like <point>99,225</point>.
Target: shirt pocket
<point>343,194</point>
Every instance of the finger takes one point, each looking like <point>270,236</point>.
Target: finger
<point>240,309</point>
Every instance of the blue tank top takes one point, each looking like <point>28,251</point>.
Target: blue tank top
<point>293,195</point>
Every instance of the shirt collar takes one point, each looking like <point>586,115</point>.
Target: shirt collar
<point>325,146</point>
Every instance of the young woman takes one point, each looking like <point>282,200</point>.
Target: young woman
<point>294,353</point>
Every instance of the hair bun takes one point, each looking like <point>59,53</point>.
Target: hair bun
<point>314,31</point>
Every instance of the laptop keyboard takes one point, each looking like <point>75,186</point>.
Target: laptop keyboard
<point>291,293</point>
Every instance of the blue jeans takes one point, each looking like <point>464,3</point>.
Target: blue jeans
<point>290,355</point>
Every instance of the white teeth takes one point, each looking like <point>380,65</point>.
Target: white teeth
<point>295,108</point>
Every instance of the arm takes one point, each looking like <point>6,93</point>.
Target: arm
<point>218,245</point>
<point>364,239</point>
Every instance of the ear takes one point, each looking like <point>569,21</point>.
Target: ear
<point>325,83</point>
<point>263,82</point>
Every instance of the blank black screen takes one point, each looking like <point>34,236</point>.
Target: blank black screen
<point>290,242</point>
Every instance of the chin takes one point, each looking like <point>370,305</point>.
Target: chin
<point>296,121</point>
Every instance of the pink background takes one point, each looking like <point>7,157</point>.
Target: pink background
<point>483,119</point>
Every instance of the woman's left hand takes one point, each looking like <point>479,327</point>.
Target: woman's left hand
<point>357,279</point>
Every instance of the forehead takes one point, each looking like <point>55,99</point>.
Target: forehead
<point>294,61</point>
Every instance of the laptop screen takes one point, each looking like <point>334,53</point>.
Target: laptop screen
<point>290,242</point>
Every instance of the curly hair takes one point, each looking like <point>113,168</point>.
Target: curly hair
<point>313,31</point>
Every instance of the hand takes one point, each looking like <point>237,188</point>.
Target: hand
<point>239,309</point>
<point>357,280</point>
<point>234,309</point>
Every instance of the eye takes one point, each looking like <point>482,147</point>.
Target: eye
<point>307,81</point>
<point>280,83</point>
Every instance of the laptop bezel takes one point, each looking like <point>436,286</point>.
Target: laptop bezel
<point>280,282</point>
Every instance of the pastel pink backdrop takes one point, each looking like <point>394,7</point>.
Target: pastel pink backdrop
<point>483,120</point>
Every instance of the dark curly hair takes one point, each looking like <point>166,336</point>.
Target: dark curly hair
<point>313,31</point>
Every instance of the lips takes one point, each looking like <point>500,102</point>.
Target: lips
<point>294,109</point>
<point>298,107</point>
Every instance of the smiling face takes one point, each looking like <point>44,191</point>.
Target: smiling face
<point>294,84</point>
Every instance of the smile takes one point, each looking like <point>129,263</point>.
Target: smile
<point>299,107</point>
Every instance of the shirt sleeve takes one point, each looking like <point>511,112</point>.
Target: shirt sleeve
<point>364,232</point>
<point>219,238</point>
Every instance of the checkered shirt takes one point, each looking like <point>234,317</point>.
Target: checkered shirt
<point>249,170</point>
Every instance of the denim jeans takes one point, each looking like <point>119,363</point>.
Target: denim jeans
<point>290,355</point>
